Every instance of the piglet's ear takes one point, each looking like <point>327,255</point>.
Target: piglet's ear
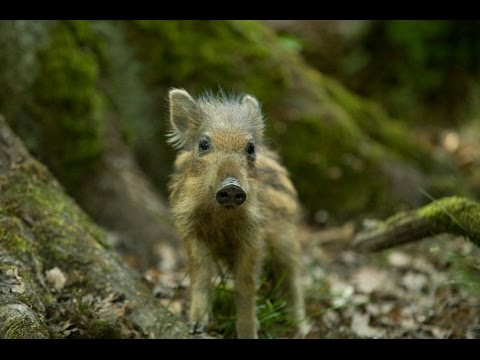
<point>182,115</point>
<point>255,114</point>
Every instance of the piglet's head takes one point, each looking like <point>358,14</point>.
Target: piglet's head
<point>224,135</point>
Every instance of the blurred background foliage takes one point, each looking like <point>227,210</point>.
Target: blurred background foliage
<point>423,71</point>
<point>362,112</point>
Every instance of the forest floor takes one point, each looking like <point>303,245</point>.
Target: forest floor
<point>419,290</point>
<point>425,289</point>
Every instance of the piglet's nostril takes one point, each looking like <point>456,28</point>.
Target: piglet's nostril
<point>223,194</point>
<point>240,198</point>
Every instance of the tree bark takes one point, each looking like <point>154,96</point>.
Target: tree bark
<point>453,215</point>
<point>58,277</point>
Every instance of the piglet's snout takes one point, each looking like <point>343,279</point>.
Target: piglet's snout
<point>230,193</point>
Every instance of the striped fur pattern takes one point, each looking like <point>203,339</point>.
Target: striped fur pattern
<point>241,236</point>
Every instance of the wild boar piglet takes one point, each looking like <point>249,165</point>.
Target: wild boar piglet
<point>232,203</point>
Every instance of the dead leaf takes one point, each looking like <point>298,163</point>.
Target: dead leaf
<point>414,282</point>
<point>168,257</point>
<point>341,291</point>
<point>331,319</point>
<point>175,306</point>
<point>18,289</point>
<point>360,325</point>
<point>399,259</point>
<point>451,141</point>
<point>56,278</point>
<point>360,299</point>
<point>370,279</point>
<point>14,273</point>
<point>438,332</point>
<point>421,265</point>
<point>376,309</point>
<point>349,257</point>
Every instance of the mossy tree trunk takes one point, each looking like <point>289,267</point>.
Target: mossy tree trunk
<point>67,120</point>
<point>58,277</point>
<point>454,215</point>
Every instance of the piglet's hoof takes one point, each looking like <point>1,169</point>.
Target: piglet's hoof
<point>197,327</point>
<point>303,329</point>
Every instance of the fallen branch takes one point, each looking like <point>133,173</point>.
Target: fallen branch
<point>453,215</point>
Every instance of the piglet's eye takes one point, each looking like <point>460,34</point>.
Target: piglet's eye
<point>251,149</point>
<point>203,145</point>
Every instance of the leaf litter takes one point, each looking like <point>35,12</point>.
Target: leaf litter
<point>411,291</point>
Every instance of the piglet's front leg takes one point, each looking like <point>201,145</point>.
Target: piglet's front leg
<point>200,271</point>
<point>245,271</point>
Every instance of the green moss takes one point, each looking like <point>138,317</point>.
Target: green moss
<point>18,249</point>
<point>67,102</point>
<point>59,235</point>
<point>337,186</point>
<point>103,329</point>
<point>87,318</point>
<point>335,144</point>
<point>455,215</point>
<point>228,51</point>
<point>9,237</point>
<point>431,65</point>
<point>376,124</point>
<point>21,323</point>
<point>60,216</point>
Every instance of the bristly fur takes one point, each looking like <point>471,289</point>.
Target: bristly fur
<point>240,235</point>
<point>175,138</point>
<point>212,109</point>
